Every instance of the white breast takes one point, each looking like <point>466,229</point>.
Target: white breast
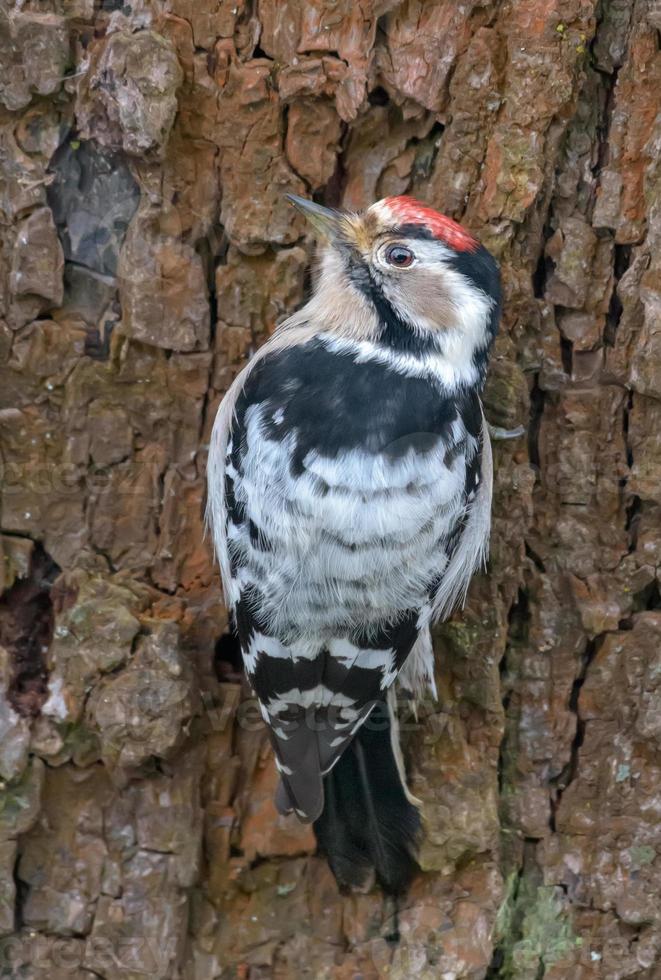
<point>353,539</point>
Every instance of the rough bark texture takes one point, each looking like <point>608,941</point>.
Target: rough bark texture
<point>146,250</point>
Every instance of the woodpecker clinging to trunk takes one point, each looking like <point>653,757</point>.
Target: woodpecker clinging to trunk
<point>349,491</point>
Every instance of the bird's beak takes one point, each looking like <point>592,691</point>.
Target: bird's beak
<point>325,221</point>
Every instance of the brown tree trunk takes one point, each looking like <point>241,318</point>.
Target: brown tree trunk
<point>146,250</point>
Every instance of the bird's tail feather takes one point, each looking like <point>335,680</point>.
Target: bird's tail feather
<point>368,821</point>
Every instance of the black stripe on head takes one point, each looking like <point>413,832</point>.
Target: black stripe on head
<point>477,265</point>
<point>396,333</point>
<point>481,269</point>
<point>411,230</point>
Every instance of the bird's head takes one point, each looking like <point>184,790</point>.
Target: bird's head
<point>403,275</point>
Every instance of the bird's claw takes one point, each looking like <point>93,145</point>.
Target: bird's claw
<point>498,433</point>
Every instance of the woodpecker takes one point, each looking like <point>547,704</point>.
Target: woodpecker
<point>349,496</point>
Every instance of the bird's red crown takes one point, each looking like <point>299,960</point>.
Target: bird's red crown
<point>410,211</point>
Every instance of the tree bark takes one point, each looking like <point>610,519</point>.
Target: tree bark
<point>146,250</point>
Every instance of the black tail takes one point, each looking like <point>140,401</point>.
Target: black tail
<point>367,821</point>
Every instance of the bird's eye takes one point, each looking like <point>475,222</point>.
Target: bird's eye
<point>399,256</point>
